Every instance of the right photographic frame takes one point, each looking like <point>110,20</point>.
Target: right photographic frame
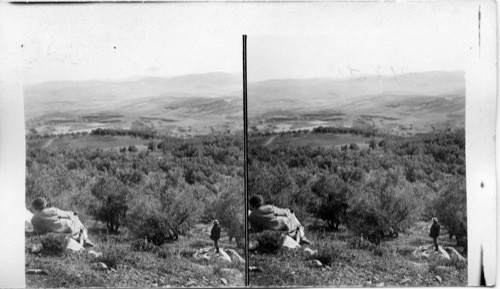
<point>357,153</point>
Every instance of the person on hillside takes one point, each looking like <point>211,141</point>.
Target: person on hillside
<point>215,235</point>
<point>268,217</point>
<point>435,230</point>
<point>49,219</point>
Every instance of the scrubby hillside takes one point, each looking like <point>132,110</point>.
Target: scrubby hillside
<point>345,183</point>
<point>128,187</point>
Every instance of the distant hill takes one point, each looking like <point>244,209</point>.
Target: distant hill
<point>205,101</point>
<point>413,99</point>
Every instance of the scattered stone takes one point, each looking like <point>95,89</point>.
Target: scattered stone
<point>95,254</point>
<point>253,245</point>
<point>428,251</point>
<point>73,245</point>
<point>235,257</point>
<point>191,283</point>
<point>310,251</point>
<point>405,280</point>
<point>289,242</point>
<point>317,263</point>
<point>381,284</point>
<point>233,277</point>
<point>224,281</point>
<point>328,268</point>
<point>210,254</point>
<point>454,253</point>
<point>112,269</point>
<point>35,271</point>
<point>37,248</point>
<point>154,284</point>
<point>368,283</point>
<point>254,269</point>
<point>438,278</point>
<point>101,266</point>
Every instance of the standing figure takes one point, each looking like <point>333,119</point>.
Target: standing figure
<point>215,235</point>
<point>434,234</point>
<point>49,219</point>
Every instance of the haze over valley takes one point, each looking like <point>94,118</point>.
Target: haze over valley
<point>405,103</point>
<point>186,105</point>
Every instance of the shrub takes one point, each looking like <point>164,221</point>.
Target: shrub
<point>164,208</point>
<point>451,208</point>
<point>141,246</point>
<point>327,256</point>
<point>270,241</point>
<point>112,257</point>
<point>384,202</point>
<point>164,252</point>
<point>228,207</point>
<point>331,200</point>
<point>54,243</point>
<point>110,205</point>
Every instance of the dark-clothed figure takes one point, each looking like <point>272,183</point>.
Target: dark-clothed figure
<point>215,235</point>
<point>435,230</point>
<point>49,219</point>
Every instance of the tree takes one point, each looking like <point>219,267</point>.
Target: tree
<point>451,208</point>
<point>163,206</point>
<point>110,205</point>
<point>228,207</point>
<point>331,200</point>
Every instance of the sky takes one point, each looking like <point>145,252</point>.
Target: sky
<point>375,41</point>
<point>106,41</point>
<point>102,41</point>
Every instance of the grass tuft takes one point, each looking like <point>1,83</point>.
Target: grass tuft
<point>270,241</point>
<point>54,244</point>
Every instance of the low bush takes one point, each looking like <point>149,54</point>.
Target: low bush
<point>141,246</point>
<point>270,241</point>
<point>54,244</point>
<point>112,257</point>
<point>327,256</point>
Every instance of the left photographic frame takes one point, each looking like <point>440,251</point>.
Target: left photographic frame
<point>134,148</point>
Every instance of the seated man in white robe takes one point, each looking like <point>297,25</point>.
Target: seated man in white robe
<point>49,219</point>
<point>268,217</point>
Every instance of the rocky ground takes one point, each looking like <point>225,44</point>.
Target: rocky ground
<point>341,259</point>
<point>121,261</point>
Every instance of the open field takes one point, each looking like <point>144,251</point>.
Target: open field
<point>183,106</point>
<point>389,264</point>
<point>405,104</point>
<point>327,140</point>
<point>91,142</point>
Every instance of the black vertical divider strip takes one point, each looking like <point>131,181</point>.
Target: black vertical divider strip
<point>245,151</point>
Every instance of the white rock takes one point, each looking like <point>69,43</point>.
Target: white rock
<point>310,251</point>
<point>290,243</point>
<point>223,281</point>
<point>317,263</point>
<point>73,245</point>
<point>210,254</point>
<point>454,253</point>
<point>235,257</point>
<point>95,254</point>
<point>37,248</point>
<point>101,266</point>
<point>438,278</point>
